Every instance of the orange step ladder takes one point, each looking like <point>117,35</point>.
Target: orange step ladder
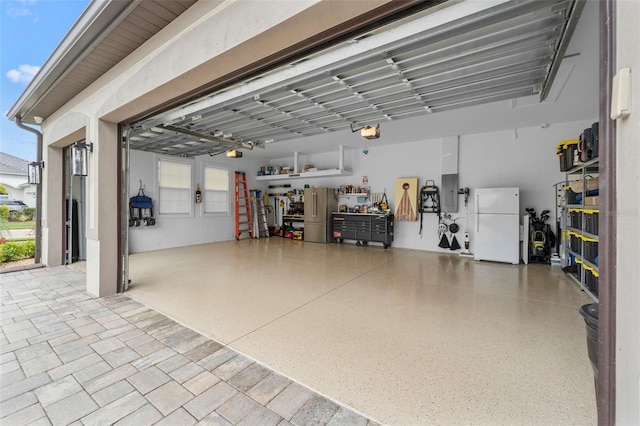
<point>243,207</point>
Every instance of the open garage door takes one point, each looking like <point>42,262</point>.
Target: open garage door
<point>453,55</point>
<point>442,59</point>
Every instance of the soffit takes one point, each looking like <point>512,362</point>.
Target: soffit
<point>118,29</point>
<point>501,52</point>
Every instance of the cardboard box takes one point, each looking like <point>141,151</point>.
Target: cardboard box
<point>592,201</point>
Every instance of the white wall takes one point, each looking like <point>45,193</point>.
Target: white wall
<point>519,157</point>
<point>183,231</point>
<point>29,195</point>
<point>18,189</point>
<point>628,222</point>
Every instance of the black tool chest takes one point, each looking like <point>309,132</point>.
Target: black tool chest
<point>363,227</point>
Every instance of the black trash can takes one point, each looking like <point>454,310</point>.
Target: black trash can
<point>590,314</point>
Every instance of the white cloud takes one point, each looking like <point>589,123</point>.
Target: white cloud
<point>24,74</point>
<point>18,12</point>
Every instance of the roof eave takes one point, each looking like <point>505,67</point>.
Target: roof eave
<point>90,27</point>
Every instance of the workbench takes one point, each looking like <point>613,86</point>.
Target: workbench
<point>288,220</point>
<point>363,227</point>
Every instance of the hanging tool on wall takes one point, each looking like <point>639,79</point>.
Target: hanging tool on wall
<point>453,229</point>
<point>465,192</point>
<point>198,194</point>
<point>442,236</point>
<point>141,209</point>
<point>429,200</point>
<point>447,230</point>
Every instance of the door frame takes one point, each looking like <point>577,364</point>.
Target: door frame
<point>124,164</point>
<point>70,182</point>
<point>606,396</point>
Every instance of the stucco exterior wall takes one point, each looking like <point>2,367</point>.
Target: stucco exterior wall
<point>628,223</point>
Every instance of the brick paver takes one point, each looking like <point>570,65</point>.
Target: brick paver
<point>67,357</point>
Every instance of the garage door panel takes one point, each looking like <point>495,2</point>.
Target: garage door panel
<point>503,51</point>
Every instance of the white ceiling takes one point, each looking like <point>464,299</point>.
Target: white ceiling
<point>435,68</point>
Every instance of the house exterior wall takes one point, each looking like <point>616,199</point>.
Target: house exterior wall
<point>28,195</point>
<point>18,188</point>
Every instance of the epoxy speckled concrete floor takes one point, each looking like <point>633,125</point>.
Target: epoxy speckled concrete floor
<point>68,358</point>
<point>406,337</point>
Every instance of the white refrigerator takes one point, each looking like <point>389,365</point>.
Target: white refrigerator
<point>497,225</point>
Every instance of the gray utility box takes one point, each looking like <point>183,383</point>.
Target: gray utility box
<point>363,227</point>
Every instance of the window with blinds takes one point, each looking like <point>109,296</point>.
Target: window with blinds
<point>215,196</point>
<point>174,183</point>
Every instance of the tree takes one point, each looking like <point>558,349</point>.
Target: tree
<point>3,190</point>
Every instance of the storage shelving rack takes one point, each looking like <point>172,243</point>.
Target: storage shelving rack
<point>580,228</point>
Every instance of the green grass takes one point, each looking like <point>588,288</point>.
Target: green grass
<point>21,225</point>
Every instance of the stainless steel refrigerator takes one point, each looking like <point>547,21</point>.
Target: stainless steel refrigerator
<point>318,205</point>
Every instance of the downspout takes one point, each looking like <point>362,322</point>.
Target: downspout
<point>38,251</point>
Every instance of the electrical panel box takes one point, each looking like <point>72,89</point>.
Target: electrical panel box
<point>449,202</point>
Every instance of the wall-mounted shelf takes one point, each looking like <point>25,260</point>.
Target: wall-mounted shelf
<point>340,171</point>
<point>358,194</point>
<point>306,175</point>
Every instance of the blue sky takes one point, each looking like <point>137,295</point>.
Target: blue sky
<point>30,30</point>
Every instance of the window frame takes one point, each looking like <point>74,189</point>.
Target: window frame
<point>218,166</point>
<point>175,160</point>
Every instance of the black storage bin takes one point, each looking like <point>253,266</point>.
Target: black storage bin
<point>590,249</point>
<point>578,270</point>
<point>566,152</point>
<point>575,218</point>
<point>575,242</point>
<point>591,280</point>
<point>591,221</point>
<point>590,315</point>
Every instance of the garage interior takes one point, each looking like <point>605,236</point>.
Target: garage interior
<point>413,334</point>
<point>409,334</point>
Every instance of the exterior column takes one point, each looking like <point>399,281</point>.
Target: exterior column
<point>102,210</point>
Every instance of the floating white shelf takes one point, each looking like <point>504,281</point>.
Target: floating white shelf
<point>306,175</point>
<point>340,171</point>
